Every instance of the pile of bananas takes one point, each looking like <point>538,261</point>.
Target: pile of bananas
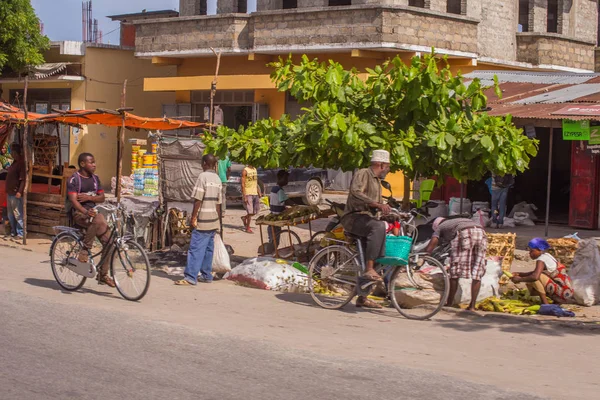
<point>292,213</point>
<point>510,306</point>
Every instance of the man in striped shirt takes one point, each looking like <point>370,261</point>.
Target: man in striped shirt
<point>205,223</point>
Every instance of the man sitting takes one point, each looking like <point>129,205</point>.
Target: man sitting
<point>84,192</point>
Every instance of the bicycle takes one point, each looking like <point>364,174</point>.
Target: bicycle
<point>132,272</point>
<point>418,287</point>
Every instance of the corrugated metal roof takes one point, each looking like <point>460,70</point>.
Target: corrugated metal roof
<point>535,111</point>
<point>548,78</point>
<point>563,95</point>
<point>513,91</point>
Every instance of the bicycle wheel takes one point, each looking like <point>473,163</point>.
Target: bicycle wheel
<point>130,268</point>
<point>420,289</point>
<point>332,276</point>
<point>63,246</point>
<point>319,241</point>
<point>288,244</point>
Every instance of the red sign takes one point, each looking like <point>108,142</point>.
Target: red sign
<point>591,110</point>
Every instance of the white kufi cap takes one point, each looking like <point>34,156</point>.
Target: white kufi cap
<point>382,156</point>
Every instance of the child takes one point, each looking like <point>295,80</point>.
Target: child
<point>392,225</point>
<point>277,202</point>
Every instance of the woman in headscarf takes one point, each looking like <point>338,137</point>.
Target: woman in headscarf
<point>467,257</point>
<point>549,278</point>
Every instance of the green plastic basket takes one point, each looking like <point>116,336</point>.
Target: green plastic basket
<point>398,247</point>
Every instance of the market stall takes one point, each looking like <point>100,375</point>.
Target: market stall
<point>47,208</point>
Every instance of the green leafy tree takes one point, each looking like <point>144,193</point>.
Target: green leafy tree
<point>432,123</point>
<point>21,42</point>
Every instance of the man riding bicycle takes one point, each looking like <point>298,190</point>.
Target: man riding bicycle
<point>84,192</point>
<point>364,200</point>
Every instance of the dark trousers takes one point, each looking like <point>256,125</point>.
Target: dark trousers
<point>373,231</point>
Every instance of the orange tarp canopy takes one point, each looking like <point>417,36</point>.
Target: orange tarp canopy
<point>10,114</point>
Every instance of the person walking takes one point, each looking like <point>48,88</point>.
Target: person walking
<point>250,194</point>
<point>15,185</point>
<point>500,185</point>
<point>204,223</point>
<point>224,171</point>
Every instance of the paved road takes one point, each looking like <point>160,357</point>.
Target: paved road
<point>222,341</point>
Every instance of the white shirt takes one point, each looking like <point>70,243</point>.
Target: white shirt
<point>551,263</point>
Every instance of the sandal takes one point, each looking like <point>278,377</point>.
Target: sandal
<point>249,230</point>
<point>182,282</point>
<point>106,280</point>
<point>363,302</point>
<point>372,276</point>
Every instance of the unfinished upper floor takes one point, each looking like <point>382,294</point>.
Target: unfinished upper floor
<point>539,34</point>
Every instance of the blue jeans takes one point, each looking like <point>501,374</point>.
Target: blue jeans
<point>15,215</point>
<point>499,203</point>
<point>200,256</point>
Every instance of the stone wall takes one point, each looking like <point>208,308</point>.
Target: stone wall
<point>192,34</point>
<point>554,49</point>
<point>496,31</point>
<point>585,23</point>
<point>187,8</point>
<point>345,27</point>
<point>597,59</point>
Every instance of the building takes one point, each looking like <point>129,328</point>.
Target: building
<point>528,35</point>
<point>81,75</point>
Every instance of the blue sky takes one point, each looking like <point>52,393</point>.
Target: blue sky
<point>62,18</point>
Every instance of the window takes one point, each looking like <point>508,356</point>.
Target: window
<point>553,13</point>
<point>242,6</point>
<point>201,7</point>
<point>454,7</point>
<point>334,3</point>
<point>289,4</point>
<point>417,3</point>
<point>523,15</point>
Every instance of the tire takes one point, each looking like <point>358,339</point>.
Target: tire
<point>283,242</point>
<point>413,300</point>
<point>317,242</point>
<point>329,292</point>
<point>313,193</point>
<point>128,264</point>
<point>67,279</point>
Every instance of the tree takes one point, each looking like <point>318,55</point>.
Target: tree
<point>430,121</point>
<point>21,41</point>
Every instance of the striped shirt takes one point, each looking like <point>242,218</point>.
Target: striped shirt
<point>208,190</point>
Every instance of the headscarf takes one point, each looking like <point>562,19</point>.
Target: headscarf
<point>538,244</point>
<point>437,222</point>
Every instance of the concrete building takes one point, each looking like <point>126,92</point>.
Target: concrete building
<point>89,76</point>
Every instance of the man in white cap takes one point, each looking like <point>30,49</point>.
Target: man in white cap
<point>364,200</point>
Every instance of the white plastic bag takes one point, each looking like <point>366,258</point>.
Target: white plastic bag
<point>585,273</point>
<point>522,219</point>
<point>509,223</point>
<point>524,207</point>
<point>269,274</point>
<point>220,264</point>
<point>490,283</point>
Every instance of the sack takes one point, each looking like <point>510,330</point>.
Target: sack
<point>522,219</point>
<point>221,263</point>
<point>454,206</point>
<point>524,207</point>
<point>269,274</point>
<point>490,283</point>
<point>429,278</point>
<point>481,218</point>
<point>509,223</point>
<point>585,273</point>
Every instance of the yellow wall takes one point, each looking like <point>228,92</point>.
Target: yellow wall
<point>106,69</point>
<point>275,100</point>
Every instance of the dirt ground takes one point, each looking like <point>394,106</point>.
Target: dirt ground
<point>246,245</point>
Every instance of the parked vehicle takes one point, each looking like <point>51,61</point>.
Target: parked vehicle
<point>305,183</point>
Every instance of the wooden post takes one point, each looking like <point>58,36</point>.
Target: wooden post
<point>27,157</point>
<point>546,223</point>
<point>121,145</point>
<point>213,90</point>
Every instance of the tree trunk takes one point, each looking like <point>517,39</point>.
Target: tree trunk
<point>27,158</point>
<point>213,90</point>
<point>120,145</point>
<point>406,200</point>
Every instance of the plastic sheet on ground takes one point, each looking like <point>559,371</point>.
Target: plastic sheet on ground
<point>269,274</point>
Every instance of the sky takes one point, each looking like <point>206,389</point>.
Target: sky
<point>62,18</point>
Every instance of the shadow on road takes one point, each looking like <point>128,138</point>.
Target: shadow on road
<point>467,322</point>
<point>51,284</point>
